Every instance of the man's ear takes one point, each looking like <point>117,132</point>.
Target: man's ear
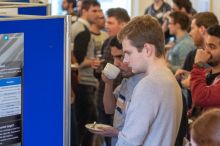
<point>202,30</point>
<point>148,49</point>
<point>178,25</point>
<point>84,12</point>
<point>123,24</point>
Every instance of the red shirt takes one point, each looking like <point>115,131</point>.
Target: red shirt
<point>203,95</point>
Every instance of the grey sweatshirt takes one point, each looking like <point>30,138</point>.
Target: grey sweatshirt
<point>154,113</point>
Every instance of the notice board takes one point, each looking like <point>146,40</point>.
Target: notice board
<point>34,81</point>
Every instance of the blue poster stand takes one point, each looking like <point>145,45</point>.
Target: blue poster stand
<point>33,10</point>
<point>46,79</point>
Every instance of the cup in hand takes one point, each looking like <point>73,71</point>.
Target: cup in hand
<point>111,71</point>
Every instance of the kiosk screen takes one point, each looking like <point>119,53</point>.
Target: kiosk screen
<point>11,66</point>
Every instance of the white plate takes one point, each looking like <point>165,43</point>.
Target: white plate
<point>75,66</point>
<point>190,121</point>
<point>96,128</point>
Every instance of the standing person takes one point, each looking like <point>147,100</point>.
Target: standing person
<point>154,112</point>
<point>205,82</point>
<point>84,53</point>
<point>115,101</point>
<point>183,6</point>
<point>117,18</point>
<point>68,6</point>
<point>178,25</point>
<point>158,9</point>
<point>98,34</point>
<point>199,25</point>
<point>79,6</point>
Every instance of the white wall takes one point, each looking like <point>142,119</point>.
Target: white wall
<point>207,5</point>
<point>138,6</point>
<point>215,8</point>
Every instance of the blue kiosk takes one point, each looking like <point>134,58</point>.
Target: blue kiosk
<point>35,81</point>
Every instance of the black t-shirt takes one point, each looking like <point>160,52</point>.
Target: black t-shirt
<point>211,77</point>
<point>158,13</point>
<point>189,61</point>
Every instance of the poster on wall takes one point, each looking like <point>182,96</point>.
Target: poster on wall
<point>11,66</point>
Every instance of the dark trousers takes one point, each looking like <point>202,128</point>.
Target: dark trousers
<point>85,112</point>
<point>105,119</point>
<point>183,125</point>
<point>74,130</point>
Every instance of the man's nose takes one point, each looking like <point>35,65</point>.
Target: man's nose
<point>125,60</point>
<point>116,62</point>
<point>207,48</point>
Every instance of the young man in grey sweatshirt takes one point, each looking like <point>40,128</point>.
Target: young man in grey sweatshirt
<point>154,113</point>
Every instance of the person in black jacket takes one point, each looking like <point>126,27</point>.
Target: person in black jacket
<point>83,49</point>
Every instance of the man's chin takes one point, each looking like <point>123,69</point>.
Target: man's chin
<point>125,75</point>
<point>213,64</point>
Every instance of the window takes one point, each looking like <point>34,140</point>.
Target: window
<point>56,7</point>
<point>106,4</point>
<point>201,5</point>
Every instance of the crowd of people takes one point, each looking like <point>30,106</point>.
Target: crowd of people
<point>169,61</point>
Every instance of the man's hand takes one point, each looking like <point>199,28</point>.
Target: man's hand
<point>169,46</point>
<point>106,131</point>
<point>186,82</point>
<point>202,56</point>
<point>106,80</point>
<point>165,21</point>
<point>180,74</point>
<point>97,63</point>
<point>184,77</point>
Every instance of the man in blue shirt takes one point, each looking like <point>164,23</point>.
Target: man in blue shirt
<point>116,101</point>
<point>178,25</point>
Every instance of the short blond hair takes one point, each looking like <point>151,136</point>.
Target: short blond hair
<point>141,30</point>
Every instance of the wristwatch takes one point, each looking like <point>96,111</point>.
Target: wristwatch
<point>200,65</point>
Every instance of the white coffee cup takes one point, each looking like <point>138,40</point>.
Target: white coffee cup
<point>111,71</point>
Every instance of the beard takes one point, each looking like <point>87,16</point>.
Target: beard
<point>213,63</point>
<point>126,74</point>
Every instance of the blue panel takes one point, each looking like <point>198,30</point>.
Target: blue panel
<point>43,79</point>
<point>41,10</point>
